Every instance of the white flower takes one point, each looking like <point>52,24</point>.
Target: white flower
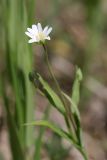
<point>37,34</point>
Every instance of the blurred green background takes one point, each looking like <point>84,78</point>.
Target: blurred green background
<point>79,37</point>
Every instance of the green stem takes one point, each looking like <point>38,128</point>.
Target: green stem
<point>82,151</point>
<point>51,73</point>
<point>58,88</point>
<point>84,154</point>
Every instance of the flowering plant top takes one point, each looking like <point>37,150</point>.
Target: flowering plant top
<point>37,34</point>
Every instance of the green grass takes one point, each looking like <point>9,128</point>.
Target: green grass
<point>18,64</point>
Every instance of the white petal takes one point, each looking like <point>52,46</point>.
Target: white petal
<point>30,30</point>
<point>49,31</point>
<point>45,29</point>
<point>32,40</point>
<point>34,27</point>
<point>29,34</point>
<point>39,27</point>
<point>48,38</point>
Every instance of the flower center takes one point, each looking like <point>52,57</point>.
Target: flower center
<point>40,36</point>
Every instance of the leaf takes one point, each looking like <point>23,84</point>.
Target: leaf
<point>17,150</point>
<point>57,130</point>
<point>18,57</point>
<point>54,128</point>
<point>76,87</point>
<point>74,108</point>
<point>75,99</point>
<point>38,145</point>
<point>47,91</point>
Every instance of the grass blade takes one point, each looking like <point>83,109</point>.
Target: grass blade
<point>40,136</point>
<point>17,151</point>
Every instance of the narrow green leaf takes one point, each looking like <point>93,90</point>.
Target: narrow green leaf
<point>31,10</point>
<point>47,91</point>
<point>17,150</point>
<point>53,127</point>
<point>19,64</point>
<point>11,56</point>
<point>24,65</point>
<point>75,99</point>
<point>76,87</point>
<point>74,108</point>
<point>38,145</point>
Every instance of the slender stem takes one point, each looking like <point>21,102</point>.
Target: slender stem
<point>51,73</point>
<point>58,88</point>
<point>84,154</point>
<point>82,151</point>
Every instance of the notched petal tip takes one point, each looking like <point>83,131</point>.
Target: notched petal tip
<point>48,38</point>
<point>34,27</point>
<point>30,30</point>
<point>31,41</point>
<point>49,31</point>
<point>39,27</point>
<point>29,34</point>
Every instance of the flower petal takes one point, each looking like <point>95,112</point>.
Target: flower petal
<point>45,30</point>
<point>49,31</point>
<point>39,27</point>
<point>34,27</point>
<point>30,30</point>
<point>29,34</point>
<point>48,38</point>
<point>32,40</point>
